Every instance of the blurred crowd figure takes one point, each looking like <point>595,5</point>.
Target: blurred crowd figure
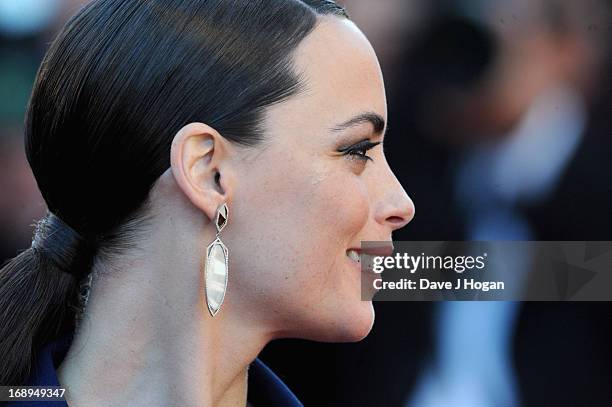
<point>515,129</point>
<point>499,129</point>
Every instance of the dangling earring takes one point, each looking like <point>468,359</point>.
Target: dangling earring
<point>215,265</point>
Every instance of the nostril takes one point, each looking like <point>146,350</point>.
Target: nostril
<point>396,220</point>
<point>397,216</point>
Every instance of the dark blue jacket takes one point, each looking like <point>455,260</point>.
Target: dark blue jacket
<point>265,389</point>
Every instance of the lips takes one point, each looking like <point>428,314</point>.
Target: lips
<point>375,248</point>
<point>364,255</point>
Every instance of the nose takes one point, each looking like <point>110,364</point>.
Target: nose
<point>402,214</point>
<point>396,209</point>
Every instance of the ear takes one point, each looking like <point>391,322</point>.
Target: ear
<point>198,157</point>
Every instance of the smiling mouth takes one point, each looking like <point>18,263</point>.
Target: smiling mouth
<point>358,258</point>
<point>366,255</point>
<point>353,255</point>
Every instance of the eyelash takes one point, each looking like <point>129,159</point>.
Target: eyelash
<point>359,150</point>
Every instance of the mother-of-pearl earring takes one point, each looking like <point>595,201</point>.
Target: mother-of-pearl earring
<point>216,265</point>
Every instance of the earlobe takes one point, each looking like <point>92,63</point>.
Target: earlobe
<point>195,156</point>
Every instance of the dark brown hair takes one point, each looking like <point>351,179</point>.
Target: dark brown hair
<point>115,86</point>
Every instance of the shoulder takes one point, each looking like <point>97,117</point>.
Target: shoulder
<point>44,372</point>
<point>267,389</point>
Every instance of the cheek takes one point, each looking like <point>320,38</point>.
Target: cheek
<point>291,232</point>
<point>334,211</point>
<point>339,209</point>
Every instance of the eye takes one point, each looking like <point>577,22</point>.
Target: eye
<point>359,150</point>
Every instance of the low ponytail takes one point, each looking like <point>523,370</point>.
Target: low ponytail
<point>39,296</point>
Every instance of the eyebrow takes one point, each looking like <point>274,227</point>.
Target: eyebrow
<point>367,117</point>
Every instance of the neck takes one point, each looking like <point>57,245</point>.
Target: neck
<point>150,340</point>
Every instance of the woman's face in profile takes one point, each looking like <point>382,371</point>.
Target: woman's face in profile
<point>300,203</point>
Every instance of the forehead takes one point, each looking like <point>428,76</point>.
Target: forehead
<point>341,78</point>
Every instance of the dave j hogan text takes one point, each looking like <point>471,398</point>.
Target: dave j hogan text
<point>426,284</point>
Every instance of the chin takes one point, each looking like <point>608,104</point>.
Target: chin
<point>353,326</point>
<point>363,326</point>
<point>347,323</point>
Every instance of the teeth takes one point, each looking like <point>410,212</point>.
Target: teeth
<point>353,255</point>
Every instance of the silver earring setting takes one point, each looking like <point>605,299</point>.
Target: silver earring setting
<point>216,265</point>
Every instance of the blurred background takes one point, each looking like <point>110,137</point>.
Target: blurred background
<point>500,128</point>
